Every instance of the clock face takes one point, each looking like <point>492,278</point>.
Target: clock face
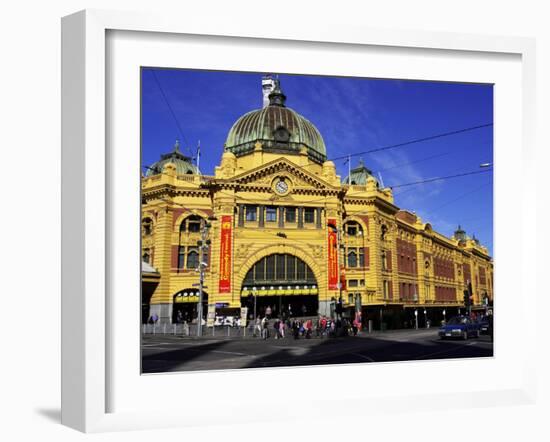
<point>281,187</point>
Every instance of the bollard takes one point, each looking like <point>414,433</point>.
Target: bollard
<point>164,329</point>
<point>227,331</point>
<point>154,328</point>
<point>213,328</point>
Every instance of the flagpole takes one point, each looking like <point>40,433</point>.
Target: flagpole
<point>199,156</point>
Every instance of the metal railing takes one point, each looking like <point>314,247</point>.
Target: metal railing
<point>190,330</point>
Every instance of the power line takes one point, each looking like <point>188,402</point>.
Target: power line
<point>418,140</point>
<point>458,197</point>
<point>442,178</point>
<point>417,161</point>
<point>170,108</point>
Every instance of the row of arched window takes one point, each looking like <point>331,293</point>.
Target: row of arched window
<point>191,224</point>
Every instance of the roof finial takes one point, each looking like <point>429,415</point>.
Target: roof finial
<point>361,164</point>
<point>276,97</point>
<point>177,145</point>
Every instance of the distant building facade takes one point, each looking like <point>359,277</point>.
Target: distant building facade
<point>288,233</point>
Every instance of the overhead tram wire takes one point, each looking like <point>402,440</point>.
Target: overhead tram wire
<point>430,180</point>
<point>459,197</point>
<point>418,140</point>
<point>171,110</point>
<point>417,161</point>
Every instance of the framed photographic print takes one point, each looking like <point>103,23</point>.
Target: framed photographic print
<point>290,210</point>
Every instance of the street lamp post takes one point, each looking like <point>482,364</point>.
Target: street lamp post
<point>203,244</point>
<point>254,290</point>
<point>416,318</point>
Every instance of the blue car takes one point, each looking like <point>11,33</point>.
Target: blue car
<point>459,327</point>
<point>484,326</point>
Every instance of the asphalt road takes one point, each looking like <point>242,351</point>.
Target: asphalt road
<point>176,353</point>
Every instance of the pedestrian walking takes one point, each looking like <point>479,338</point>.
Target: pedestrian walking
<point>276,328</point>
<point>258,327</point>
<point>265,328</point>
<point>296,330</point>
<point>282,329</point>
<point>323,326</point>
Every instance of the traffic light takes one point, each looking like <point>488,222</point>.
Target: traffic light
<point>466,298</point>
<point>470,294</point>
<point>339,308</point>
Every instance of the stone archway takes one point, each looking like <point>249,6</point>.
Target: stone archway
<point>184,305</point>
<point>296,295</point>
<point>317,269</point>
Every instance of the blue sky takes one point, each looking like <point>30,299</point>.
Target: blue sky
<point>353,115</point>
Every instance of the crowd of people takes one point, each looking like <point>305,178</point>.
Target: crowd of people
<point>322,327</point>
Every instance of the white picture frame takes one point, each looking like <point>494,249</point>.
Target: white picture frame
<point>87,353</point>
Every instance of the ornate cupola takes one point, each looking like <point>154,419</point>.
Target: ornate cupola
<point>360,175</point>
<point>183,164</point>
<point>276,128</point>
<point>460,234</point>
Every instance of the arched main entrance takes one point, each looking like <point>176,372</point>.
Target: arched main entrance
<point>185,305</point>
<point>282,282</point>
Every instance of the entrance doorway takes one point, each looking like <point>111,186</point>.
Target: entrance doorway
<point>282,283</point>
<point>185,305</point>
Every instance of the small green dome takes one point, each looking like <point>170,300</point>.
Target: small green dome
<point>183,164</point>
<point>278,128</point>
<point>359,175</point>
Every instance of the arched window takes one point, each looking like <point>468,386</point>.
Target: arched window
<point>353,228</point>
<point>191,224</point>
<point>147,225</point>
<point>192,259</point>
<point>352,259</point>
<point>146,256</point>
<point>283,269</point>
<point>181,257</point>
<point>384,260</point>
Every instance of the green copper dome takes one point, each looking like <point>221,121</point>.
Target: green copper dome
<point>183,164</point>
<point>278,128</point>
<point>359,175</point>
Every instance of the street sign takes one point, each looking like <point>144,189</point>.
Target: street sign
<point>244,314</point>
<point>211,316</point>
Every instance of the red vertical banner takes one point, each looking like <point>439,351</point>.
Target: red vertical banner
<point>333,274</point>
<point>225,254</point>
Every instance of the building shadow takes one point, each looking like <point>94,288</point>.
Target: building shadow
<point>172,360</point>
<point>349,350</point>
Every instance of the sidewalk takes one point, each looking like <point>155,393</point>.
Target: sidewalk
<point>232,333</point>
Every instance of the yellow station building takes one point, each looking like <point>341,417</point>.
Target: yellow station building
<point>287,232</point>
